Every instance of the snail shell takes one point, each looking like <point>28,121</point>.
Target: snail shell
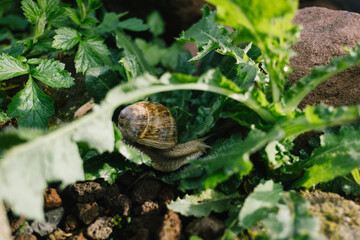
<point>148,123</point>
<point>150,128</point>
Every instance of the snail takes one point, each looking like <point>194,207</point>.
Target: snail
<point>150,128</point>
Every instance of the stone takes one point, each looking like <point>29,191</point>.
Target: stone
<point>71,223</point>
<point>206,228</point>
<point>145,190</point>
<point>86,192</point>
<point>52,219</point>
<point>101,228</point>
<point>171,227</point>
<point>148,207</point>
<point>52,199</point>
<point>339,217</point>
<point>325,33</point>
<point>88,212</point>
<point>120,204</point>
<point>25,237</point>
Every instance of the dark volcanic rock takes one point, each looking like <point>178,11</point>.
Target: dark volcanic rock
<point>145,190</point>
<point>86,191</point>
<point>206,228</point>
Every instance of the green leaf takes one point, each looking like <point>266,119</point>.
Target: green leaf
<point>338,155</point>
<point>269,26</point>
<point>73,15</point>
<point>156,23</point>
<point>99,80</point>
<point>131,66</point>
<point>259,203</point>
<point>26,169</point>
<point>123,41</point>
<point>209,36</point>
<point>203,204</point>
<point>66,38</point>
<point>55,13</point>
<point>32,106</point>
<point>52,73</point>
<point>14,22</point>
<point>3,116</point>
<point>283,214</point>
<point>92,52</point>
<point>11,67</point>
<point>31,10</point>
<point>133,24</point>
<point>109,23</point>
<point>93,5</point>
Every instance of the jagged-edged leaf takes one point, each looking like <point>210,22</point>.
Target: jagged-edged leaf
<point>234,157</point>
<point>131,66</point>
<point>31,10</point>
<point>269,26</point>
<point>99,80</point>
<point>283,214</point>
<point>11,67</point>
<point>318,75</point>
<point>133,24</point>
<point>208,36</point>
<point>338,155</point>
<point>123,41</point>
<point>3,116</point>
<point>66,38</point>
<point>201,205</point>
<point>92,52</point>
<point>31,106</point>
<point>109,23</point>
<point>52,73</point>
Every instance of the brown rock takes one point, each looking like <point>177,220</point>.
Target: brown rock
<point>145,190</point>
<point>101,228</point>
<point>86,191</point>
<point>71,223</point>
<point>25,237</point>
<point>148,207</point>
<point>206,228</point>
<point>325,33</point>
<point>79,236</point>
<point>16,223</point>
<point>171,227</point>
<point>59,234</point>
<point>339,217</point>
<point>52,199</point>
<point>120,204</point>
<point>88,212</point>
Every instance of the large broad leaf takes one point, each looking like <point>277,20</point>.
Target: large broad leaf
<point>52,73</point>
<point>338,155</point>
<point>11,67</point>
<point>202,204</point>
<point>32,106</point>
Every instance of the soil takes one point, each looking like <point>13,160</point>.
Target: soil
<point>135,206</point>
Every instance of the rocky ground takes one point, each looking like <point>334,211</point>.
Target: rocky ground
<point>135,206</point>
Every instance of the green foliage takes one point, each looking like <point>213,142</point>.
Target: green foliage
<point>337,156</point>
<point>283,214</point>
<point>32,106</point>
<point>202,204</point>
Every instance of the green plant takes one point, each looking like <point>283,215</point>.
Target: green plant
<point>241,84</point>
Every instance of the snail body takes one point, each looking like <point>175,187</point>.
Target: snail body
<point>150,128</point>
